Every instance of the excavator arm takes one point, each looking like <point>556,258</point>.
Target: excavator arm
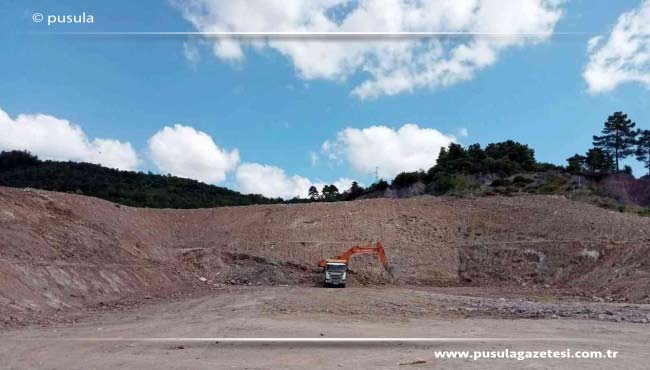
<point>345,256</point>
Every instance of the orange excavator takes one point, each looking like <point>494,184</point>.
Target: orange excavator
<point>336,268</point>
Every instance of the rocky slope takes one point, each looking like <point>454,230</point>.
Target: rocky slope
<point>62,251</point>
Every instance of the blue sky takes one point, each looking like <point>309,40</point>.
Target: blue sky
<point>127,88</point>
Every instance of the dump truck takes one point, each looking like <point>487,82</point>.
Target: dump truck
<point>336,269</point>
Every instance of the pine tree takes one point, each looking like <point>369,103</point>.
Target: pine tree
<point>325,190</point>
<point>643,148</point>
<point>576,163</point>
<point>618,139</point>
<point>599,161</point>
<point>313,193</point>
<point>355,190</point>
<point>330,192</point>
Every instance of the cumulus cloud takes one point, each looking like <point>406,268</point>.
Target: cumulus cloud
<point>624,56</point>
<point>272,181</point>
<point>186,152</point>
<point>58,139</point>
<point>410,148</point>
<point>390,66</point>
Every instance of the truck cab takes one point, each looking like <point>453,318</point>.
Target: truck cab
<point>336,272</point>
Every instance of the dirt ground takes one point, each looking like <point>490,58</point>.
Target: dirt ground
<point>82,279</point>
<point>313,312</point>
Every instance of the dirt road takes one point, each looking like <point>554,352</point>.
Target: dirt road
<point>328,313</point>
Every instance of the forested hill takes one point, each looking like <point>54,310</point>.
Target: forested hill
<point>138,189</point>
<point>507,168</point>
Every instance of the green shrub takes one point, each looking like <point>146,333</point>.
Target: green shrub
<point>553,184</point>
<point>500,182</point>
<point>406,179</point>
<point>445,183</point>
<point>521,181</point>
<point>645,212</point>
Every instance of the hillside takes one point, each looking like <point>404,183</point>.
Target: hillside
<point>18,169</point>
<point>613,191</point>
<point>61,251</point>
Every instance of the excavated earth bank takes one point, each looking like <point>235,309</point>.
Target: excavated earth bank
<point>61,252</point>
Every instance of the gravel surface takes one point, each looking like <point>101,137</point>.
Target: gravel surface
<point>323,313</point>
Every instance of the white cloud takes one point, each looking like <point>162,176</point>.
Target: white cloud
<point>463,132</point>
<point>624,56</point>
<point>271,181</point>
<point>593,42</point>
<point>343,184</point>
<point>186,152</point>
<point>410,148</point>
<point>58,139</point>
<point>390,66</point>
<point>313,158</point>
<point>191,52</point>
